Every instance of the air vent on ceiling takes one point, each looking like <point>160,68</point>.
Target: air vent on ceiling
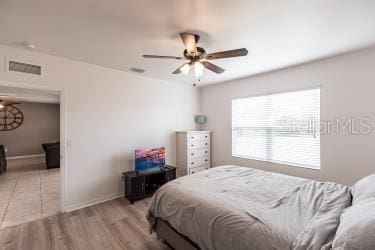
<point>25,68</point>
<point>137,70</point>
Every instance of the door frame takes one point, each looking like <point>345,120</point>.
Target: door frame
<point>63,135</point>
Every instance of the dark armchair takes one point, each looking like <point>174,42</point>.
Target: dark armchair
<point>52,154</point>
<point>3,160</point>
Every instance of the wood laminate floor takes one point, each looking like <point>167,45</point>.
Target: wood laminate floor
<point>113,224</point>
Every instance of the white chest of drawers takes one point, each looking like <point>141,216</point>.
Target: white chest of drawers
<point>193,152</point>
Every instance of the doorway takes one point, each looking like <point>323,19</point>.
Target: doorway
<point>31,132</point>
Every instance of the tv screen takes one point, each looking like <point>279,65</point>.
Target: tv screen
<point>149,158</point>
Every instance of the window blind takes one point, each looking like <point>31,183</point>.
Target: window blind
<point>280,128</point>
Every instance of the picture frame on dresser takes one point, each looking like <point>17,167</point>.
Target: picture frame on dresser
<point>193,152</point>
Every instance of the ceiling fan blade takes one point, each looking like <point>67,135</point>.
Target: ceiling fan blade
<point>164,57</point>
<point>5,103</point>
<point>190,42</point>
<point>226,54</point>
<point>213,67</point>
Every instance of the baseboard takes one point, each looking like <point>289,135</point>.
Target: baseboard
<point>25,160</point>
<point>98,200</point>
<point>24,157</point>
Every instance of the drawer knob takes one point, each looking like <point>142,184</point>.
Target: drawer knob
<point>192,145</point>
<point>206,136</point>
<point>192,153</point>
<point>192,162</point>
<point>205,143</point>
<point>192,137</point>
<point>206,160</point>
<point>205,152</point>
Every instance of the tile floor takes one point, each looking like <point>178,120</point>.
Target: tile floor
<point>27,193</point>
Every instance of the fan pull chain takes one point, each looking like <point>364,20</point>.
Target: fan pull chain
<point>196,80</point>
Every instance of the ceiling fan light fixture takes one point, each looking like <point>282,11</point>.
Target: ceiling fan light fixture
<point>1,106</point>
<point>198,69</point>
<point>198,58</point>
<point>185,69</point>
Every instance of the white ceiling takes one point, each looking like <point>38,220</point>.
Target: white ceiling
<point>115,33</point>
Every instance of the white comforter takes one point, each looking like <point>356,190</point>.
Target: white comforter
<point>231,207</point>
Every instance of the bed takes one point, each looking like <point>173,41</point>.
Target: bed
<point>232,207</point>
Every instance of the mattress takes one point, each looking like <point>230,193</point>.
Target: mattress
<point>232,207</point>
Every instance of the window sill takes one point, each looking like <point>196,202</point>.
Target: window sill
<point>289,164</point>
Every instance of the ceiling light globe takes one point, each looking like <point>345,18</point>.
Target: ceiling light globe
<point>198,69</point>
<point>185,69</point>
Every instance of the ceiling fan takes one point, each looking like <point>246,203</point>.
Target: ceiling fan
<point>197,56</point>
<point>4,104</point>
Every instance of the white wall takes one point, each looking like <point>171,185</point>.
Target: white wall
<point>109,114</point>
<point>347,90</point>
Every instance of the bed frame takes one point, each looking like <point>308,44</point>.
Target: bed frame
<point>169,236</point>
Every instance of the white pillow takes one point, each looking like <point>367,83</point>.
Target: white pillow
<point>363,189</point>
<point>357,227</point>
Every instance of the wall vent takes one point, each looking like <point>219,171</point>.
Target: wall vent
<point>137,70</point>
<point>25,68</point>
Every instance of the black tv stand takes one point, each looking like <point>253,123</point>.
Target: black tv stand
<point>142,184</point>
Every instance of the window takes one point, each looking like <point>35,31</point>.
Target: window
<point>281,128</point>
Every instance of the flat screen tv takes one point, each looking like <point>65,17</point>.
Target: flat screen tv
<point>149,158</point>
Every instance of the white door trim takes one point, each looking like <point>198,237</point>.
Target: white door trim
<point>63,134</point>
